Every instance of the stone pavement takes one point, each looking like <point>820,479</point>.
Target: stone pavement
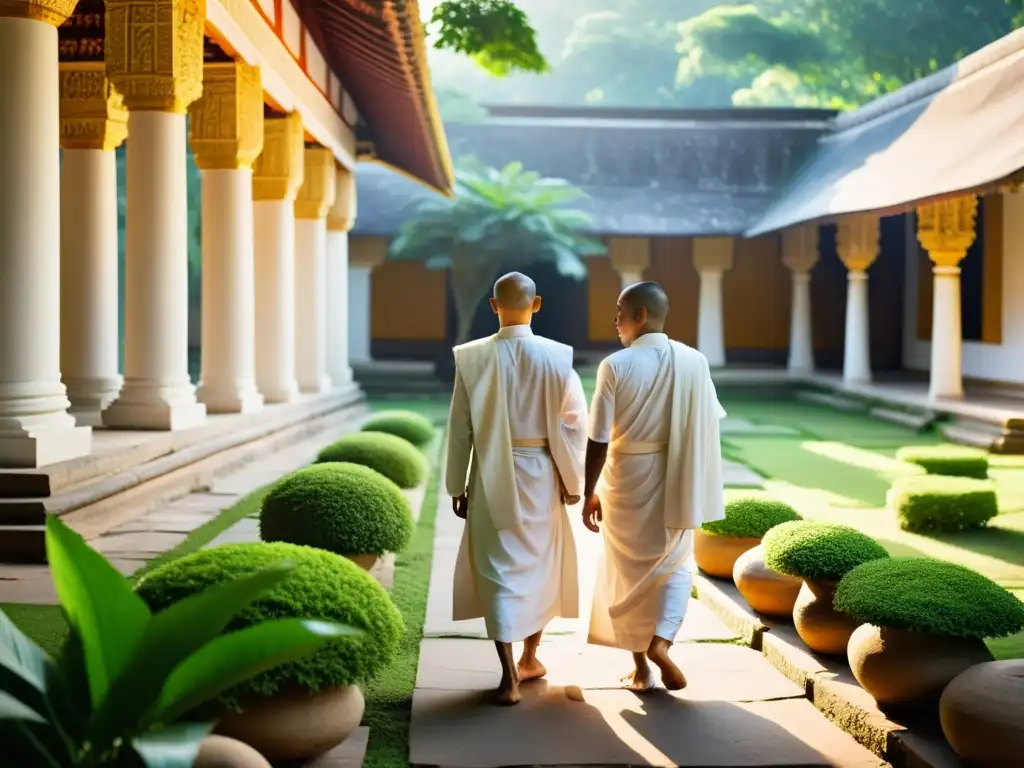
<point>737,710</point>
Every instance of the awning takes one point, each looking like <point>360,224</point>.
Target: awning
<point>960,130</point>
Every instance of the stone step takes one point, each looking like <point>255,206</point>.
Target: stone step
<point>973,433</point>
<point>830,400</point>
<point>918,420</point>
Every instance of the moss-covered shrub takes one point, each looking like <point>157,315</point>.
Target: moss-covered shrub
<point>751,518</point>
<point>929,597</point>
<point>818,551</point>
<point>934,504</point>
<point>321,586</point>
<point>397,459</point>
<point>408,425</point>
<point>343,508</point>
<point>955,460</point>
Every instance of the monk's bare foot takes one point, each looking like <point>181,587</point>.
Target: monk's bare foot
<point>671,676</point>
<point>508,692</point>
<point>531,670</point>
<point>640,680</point>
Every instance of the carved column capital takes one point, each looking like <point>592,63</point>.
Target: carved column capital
<point>946,229</point>
<point>92,112</point>
<point>342,216</point>
<point>800,248</point>
<point>226,126</point>
<point>154,52</point>
<point>857,238</point>
<point>53,12</point>
<point>317,193</point>
<point>279,169</point>
<point>712,254</point>
<point>630,255</point>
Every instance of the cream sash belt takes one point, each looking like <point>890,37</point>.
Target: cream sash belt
<point>638,449</point>
<point>530,442</point>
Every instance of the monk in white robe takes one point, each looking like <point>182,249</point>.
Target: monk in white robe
<point>517,428</point>
<point>653,474</point>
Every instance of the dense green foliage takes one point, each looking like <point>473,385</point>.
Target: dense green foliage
<point>818,551</point>
<point>939,504</point>
<point>496,34</point>
<point>321,585</point>
<point>343,508</point>
<point>930,597</point>
<point>408,425</point>
<point>397,459</point>
<point>751,518</point>
<point>955,460</point>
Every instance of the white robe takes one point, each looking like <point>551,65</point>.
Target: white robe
<point>516,565</point>
<point>656,407</point>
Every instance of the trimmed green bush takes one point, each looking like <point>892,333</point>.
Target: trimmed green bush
<point>818,551</point>
<point>343,508</point>
<point>321,586</point>
<point>408,425</point>
<point>955,460</point>
<point>751,518</point>
<point>397,459</point>
<point>936,504</point>
<point>929,597</point>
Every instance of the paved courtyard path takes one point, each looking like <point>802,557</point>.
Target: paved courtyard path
<point>737,710</point>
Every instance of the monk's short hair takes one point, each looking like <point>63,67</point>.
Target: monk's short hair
<point>515,291</point>
<point>650,296</point>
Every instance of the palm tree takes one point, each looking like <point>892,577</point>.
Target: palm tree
<point>499,219</point>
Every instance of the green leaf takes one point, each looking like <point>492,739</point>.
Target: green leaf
<point>68,693</point>
<point>174,747</point>
<point>171,637</point>
<point>238,656</point>
<point>99,603</point>
<point>30,744</point>
<point>23,665</point>
<point>12,709</point>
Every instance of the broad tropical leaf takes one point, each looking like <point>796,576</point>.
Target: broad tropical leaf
<point>12,709</point>
<point>176,746</point>
<point>30,743</point>
<point>23,665</point>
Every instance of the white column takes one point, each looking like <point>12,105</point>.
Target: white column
<point>35,427</point>
<point>359,313</point>
<point>630,256</point>
<point>315,198</point>
<point>276,180</point>
<point>226,144</point>
<point>339,221</point>
<point>857,244</point>
<point>800,254</point>
<point>712,257</point>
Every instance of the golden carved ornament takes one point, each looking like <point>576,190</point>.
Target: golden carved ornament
<point>92,113</point>
<point>52,12</point>
<point>857,241</point>
<point>800,248</point>
<point>342,216</point>
<point>226,126</point>
<point>317,194</point>
<point>946,229</point>
<point>629,254</point>
<point>278,172</point>
<point>154,52</point>
<point>712,254</point>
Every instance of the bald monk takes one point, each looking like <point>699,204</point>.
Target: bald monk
<point>653,474</point>
<point>517,428</point>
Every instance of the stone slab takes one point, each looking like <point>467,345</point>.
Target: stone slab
<point>463,729</point>
<point>244,531</point>
<point>737,426</point>
<point>735,475</point>
<point>149,542</point>
<point>725,601</point>
<point>349,754</point>
<point>27,584</point>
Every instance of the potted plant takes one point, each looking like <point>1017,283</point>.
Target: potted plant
<point>820,554</point>
<point>408,425</point>
<point>397,459</point>
<point>127,677</point>
<point>981,713</point>
<point>302,709</point>
<point>923,622</point>
<point>344,508</point>
<point>718,544</point>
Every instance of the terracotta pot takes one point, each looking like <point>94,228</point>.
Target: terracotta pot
<point>982,716</point>
<point>716,555</point>
<point>366,562</point>
<point>297,724</point>
<point>222,752</point>
<point>819,625</point>
<point>908,668</point>
<point>766,591</point>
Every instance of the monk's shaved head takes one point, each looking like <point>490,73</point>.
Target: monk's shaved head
<point>650,296</point>
<point>515,291</point>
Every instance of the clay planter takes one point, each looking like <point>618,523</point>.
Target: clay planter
<point>366,562</point>
<point>297,725</point>
<point>767,592</point>
<point>222,752</point>
<point>716,555</point>
<point>981,713</point>
<point>822,628</point>
<point>901,668</point>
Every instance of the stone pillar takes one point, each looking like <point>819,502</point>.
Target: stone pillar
<point>630,256</point>
<point>363,257</point>
<point>800,254</point>
<point>227,137</point>
<point>946,230</point>
<point>154,57</point>
<point>35,426</point>
<point>315,198</point>
<point>857,244</point>
<point>340,219</point>
<point>93,123</point>
<point>277,177</point>
<point>712,257</point>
